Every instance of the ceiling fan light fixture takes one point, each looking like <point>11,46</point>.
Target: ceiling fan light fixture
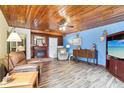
<point>62,28</point>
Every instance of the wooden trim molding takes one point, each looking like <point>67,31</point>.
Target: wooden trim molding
<point>55,33</point>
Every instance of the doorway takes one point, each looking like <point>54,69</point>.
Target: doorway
<point>53,43</point>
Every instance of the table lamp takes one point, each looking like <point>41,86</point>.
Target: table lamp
<point>13,37</point>
<point>67,47</point>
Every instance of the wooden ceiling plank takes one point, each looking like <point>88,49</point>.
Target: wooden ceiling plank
<point>44,17</point>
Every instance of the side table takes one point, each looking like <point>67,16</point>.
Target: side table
<point>22,80</point>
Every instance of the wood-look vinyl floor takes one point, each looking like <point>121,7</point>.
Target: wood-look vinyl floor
<point>64,74</point>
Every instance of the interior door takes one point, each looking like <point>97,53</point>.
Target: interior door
<point>53,43</point>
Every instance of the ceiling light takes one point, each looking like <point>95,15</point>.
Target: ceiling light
<point>62,28</point>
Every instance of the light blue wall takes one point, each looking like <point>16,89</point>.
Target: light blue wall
<point>93,36</point>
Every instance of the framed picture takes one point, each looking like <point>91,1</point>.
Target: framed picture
<point>76,41</point>
<point>39,42</point>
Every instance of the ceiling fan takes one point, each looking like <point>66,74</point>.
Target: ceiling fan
<point>63,24</point>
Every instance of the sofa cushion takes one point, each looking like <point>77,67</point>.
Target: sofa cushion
<point>13,58</point>
<point>11,66</point>
<point>21,63</point>
<point>21,56</point>
<point>17,58</point>
<point>26,68</point>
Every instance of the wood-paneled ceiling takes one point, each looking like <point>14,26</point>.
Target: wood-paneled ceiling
<point>46,18</point>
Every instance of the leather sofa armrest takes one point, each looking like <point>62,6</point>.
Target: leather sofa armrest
<point>33,61</point>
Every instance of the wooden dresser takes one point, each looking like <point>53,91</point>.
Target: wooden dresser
<point>116,68</point>
<point>86,53</point>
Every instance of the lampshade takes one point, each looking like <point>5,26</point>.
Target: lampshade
<point>103,36</point>
<point>14,37</point>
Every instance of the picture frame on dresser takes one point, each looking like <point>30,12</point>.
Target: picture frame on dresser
<point>39,42</point>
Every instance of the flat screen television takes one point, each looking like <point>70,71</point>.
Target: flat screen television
<point>116,48</point>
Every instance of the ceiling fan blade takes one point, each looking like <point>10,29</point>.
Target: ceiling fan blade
<point>70,26</point>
